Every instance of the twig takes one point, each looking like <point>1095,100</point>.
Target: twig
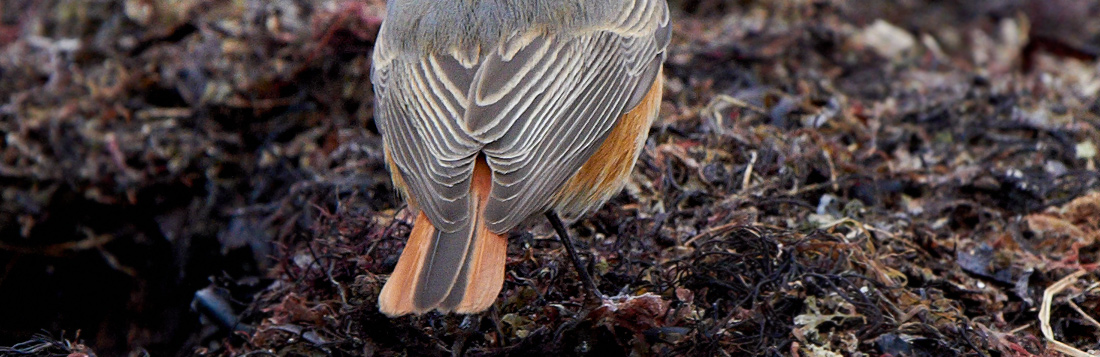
<point>1044,315</point>
<point>1018,329</point>
<point>1083,314</point>
<point>748,171</point>
<point>721,102</point>
<point>92,241</point>
<point>832,169</point>
<point>711,231</point>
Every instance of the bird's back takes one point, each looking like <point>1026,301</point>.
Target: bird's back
<point>440,26</point>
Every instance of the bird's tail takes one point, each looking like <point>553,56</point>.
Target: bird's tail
<point>460,271</point>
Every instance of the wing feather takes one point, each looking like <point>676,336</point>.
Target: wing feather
<point>434,156</point>
<point>535,157</point>
<point>536,106</point>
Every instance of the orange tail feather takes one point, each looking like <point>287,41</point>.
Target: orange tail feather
<point>459,271</point>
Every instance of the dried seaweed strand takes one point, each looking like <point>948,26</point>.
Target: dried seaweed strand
<point>1044,315</point>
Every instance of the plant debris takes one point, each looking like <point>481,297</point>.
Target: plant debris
<point>826,178</point>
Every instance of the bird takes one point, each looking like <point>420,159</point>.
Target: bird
<point>494,112</point>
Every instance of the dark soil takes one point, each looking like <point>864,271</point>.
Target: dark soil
<point>825,178</point>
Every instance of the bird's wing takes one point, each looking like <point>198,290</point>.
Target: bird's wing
<point>545,110</point>
<point>537,107</point>
<point>418,108</point>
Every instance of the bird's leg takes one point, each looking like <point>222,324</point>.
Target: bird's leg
<point>563,235</point>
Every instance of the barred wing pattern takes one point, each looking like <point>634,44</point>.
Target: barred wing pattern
<point>536,107</point>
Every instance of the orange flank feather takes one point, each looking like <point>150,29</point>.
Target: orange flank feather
<point>416,286</point>
<point>607,170</point>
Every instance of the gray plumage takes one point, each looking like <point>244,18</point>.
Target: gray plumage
<point>534,86</point>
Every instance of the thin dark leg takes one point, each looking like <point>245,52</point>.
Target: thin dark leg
<point>563,235</point>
